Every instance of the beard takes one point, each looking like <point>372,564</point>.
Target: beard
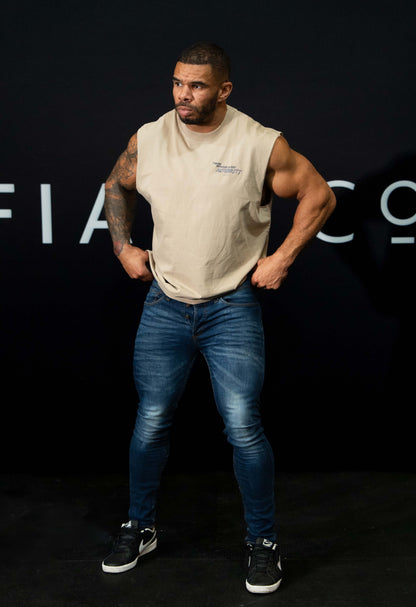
<point>203,113</point>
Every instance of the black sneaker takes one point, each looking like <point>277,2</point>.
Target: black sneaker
<point>264,569</point>
<point>130,544</point>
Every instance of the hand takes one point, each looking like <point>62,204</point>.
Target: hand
<point>134,260</point>
<point>270,272</point>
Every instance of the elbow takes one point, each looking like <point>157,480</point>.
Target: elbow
<point>331,202</point>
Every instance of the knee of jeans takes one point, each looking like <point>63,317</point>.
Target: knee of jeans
<point>151,428</point>
<point>244,435</point>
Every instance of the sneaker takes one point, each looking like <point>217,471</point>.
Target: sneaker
<point>264,569</point>
<point>130,544</point>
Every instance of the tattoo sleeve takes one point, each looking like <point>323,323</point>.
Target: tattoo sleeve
<point>120,197</point>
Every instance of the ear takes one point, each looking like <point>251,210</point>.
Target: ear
<point>225,91</point>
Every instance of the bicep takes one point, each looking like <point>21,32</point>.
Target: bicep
<point>124,171</point>
<point>291,175</point>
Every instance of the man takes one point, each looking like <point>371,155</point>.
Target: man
<point>208,172</point>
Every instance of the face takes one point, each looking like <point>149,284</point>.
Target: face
<point>196,93</point>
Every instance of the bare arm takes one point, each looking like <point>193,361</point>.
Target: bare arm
<point>291,175</point>
<point>120,206</point>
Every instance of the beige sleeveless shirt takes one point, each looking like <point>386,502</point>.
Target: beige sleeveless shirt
<point>205,192</point>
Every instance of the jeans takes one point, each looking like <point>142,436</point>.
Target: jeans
<point>228,332</point>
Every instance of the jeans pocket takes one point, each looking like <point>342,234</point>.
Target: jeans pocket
<point>244,296</point>
<point>154,295</point>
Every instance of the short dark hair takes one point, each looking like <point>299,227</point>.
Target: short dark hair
<point>203,53</point>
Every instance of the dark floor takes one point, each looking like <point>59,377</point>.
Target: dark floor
<point>347,539</point>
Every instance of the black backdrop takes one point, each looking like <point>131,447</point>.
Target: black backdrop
<point>78,78</point>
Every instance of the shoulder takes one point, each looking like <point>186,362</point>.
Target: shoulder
<point>282,155</point>
<point>164,121</point>
<point>251,125</point>
<point>254,136</point>
<point>152,134</point>
<point>132,144</point>
<point>249,121</point>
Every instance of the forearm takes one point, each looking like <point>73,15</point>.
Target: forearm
<point>310,216</point>
<point>119,207</point>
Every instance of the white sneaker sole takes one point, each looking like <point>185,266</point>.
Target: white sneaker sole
<point>132,564</point>
<point>262,589</point>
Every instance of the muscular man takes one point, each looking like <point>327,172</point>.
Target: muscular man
<point>208,172</point>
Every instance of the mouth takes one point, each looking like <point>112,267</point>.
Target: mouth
<point>184,110</point>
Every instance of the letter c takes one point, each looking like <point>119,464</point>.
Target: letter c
<point>338,239</point>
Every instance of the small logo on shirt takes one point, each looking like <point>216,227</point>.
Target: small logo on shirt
<point>229,169</point>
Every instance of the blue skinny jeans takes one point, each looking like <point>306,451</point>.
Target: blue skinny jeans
<point>228,332</point>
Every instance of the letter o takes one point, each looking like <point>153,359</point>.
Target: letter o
<point>385,200</point>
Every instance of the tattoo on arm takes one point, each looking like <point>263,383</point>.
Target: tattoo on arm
<point>120,197</point>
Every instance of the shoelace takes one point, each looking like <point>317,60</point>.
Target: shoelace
<point>262,558</point>
<point>125,537</point>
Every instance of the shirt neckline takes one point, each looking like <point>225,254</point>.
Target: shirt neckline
<point>194,135</point>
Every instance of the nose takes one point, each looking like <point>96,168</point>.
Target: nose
<point>185,93</point>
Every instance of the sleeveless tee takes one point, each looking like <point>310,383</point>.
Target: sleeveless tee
<point>205,192</point>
